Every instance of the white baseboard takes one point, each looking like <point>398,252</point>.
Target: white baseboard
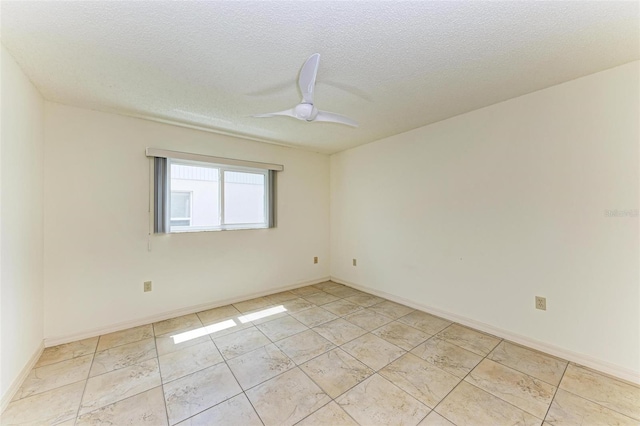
<point>578,358</point>
<point>17,382</point>
<point>59,340</point>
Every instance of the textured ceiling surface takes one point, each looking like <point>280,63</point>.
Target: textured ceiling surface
<point>391,66</point>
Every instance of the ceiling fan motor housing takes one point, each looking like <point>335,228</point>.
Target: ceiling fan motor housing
<point>306,111</point>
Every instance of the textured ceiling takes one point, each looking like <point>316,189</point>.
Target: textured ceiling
<point>391,66</point>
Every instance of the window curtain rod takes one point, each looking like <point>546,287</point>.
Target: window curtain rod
<point>162,153</point>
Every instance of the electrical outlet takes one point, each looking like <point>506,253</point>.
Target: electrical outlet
<point>355,263</point>
<point>541,303</point>
<point>315,259</point>
<point>147,286</point>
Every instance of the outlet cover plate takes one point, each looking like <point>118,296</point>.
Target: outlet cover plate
<point>541,303</point>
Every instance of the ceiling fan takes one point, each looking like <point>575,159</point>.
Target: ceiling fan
<point>306,110</point>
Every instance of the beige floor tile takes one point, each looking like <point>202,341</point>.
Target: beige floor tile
<point>119,338</point>
<point>281,328</point>
<point>167,344</point>
<point>260,365</point>
<point>236,411</point>
<point>425,322</point>
<point>339,331</point>
<point>447,356</point>
<point>378,402</point>
<point>391,309</point>
<point>471,340</point>
<point>330,414</point>
<point>215,315</point>
<point>241,342</point>
<point>52,407</point>
<point>336,371</point>
<point>67,351</point>
<point>364,300</point>
<point>614,394</point>
<point>367,319</point>
<point>196,392</point>
<point>146,408</point>
<point>281,297</point>
<point>123,356</point>
<point>108,388</point>
<point>321,298</point>
<point>343,292</point>
<point>314,316</point>
<point>401,335</point>
<point>297,305</point>
<point>51,376</point>
<point>287,398</point>
<point>328,284</point>
<point>304,346</point>
<point>302,291</point>
<point>537,364</point>
<point>568,409</point>
<point>420,379</point>
<point>252,304</point>
<point>183,323</point>
<point>342,307</point>
<point>469,405</point>
<point>435,419</point>
<point>531,395</point>
<point>188,360</point>
<point>373,351</point>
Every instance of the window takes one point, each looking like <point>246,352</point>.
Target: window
<point>180,208</point>
<point>215,194</point>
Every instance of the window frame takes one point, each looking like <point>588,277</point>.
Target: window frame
<point>221,199</point>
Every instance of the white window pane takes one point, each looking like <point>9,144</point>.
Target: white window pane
<point>202,185</point>
<point>180,205</point>
<point>244,198</point>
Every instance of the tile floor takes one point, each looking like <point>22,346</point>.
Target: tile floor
<point>318,355</point>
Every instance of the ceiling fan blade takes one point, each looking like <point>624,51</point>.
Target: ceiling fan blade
<point>288,113</point>
<point>307,80</point>
<point>332,117</point>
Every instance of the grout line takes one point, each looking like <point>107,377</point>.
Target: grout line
<point>553,398</point>
<point>84,389</point>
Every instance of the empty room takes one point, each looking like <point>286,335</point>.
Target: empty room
<point>320,213</point>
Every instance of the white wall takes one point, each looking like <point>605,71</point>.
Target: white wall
<point>21,235</point>
<point>97,221</point>
<point>477,214</point>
